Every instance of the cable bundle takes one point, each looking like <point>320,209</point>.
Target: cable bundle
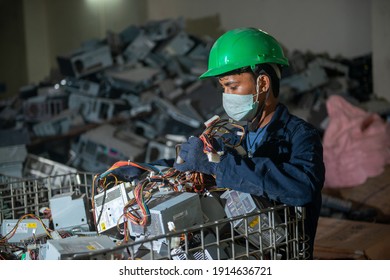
<point>223,129</point>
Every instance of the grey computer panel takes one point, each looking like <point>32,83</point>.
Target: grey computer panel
<point>70,211</point>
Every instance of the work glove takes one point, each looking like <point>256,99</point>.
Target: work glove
<point>127,173</point>
<point>192,158</point>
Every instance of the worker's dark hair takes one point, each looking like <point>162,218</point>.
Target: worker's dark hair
<point>257,71</point>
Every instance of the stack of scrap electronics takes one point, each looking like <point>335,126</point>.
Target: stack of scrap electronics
<point>133,93</point>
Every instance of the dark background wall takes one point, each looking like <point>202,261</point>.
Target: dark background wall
<point>13,64</point>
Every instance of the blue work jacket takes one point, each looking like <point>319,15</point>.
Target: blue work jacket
<point>287,167</point>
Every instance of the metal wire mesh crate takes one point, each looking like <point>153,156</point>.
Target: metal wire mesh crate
<point>23,196</point>
<point>220,240</point>
<point>269,232</point>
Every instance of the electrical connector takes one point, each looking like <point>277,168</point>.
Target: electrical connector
<point>175,241</point>
<point>212,120</point>
<point>240,150</point>
<point>130,194</point>
<point>213,157</point>
<point>55,235</point>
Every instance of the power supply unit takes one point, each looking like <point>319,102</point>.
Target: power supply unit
<point>181,208</point>
<point>264,227</point>
<point>109,209</point>
<point>68,248</point>
<point>26,228</point>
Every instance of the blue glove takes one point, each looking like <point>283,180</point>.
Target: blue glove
<point>126,173</point>
<point>194,158</point>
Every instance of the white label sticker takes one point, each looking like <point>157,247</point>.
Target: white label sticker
<point>22,227</point>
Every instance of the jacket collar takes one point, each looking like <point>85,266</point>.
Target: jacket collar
<point>279,119</point>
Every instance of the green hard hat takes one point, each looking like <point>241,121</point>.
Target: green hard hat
<point>243,47</point>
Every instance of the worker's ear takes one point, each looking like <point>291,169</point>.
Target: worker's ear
<point>263,83</point>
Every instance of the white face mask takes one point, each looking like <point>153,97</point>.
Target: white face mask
<point>241,107</point>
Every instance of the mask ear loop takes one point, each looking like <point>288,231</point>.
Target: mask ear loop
<point>257,89</point>
<point>256,121</point>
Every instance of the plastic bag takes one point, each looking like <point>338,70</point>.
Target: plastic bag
<point>356,144</point>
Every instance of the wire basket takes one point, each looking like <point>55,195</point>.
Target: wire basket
<point>27,196</point>
<point>275,232</point>
<point>222,240</point>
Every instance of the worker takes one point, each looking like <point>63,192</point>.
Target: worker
<point>283,160</point>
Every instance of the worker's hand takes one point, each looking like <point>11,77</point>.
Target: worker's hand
<point>192,158</point>
<point>120,171</point>
<point>127,173</point>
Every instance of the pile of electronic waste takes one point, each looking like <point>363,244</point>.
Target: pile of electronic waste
<point>131,95</point>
